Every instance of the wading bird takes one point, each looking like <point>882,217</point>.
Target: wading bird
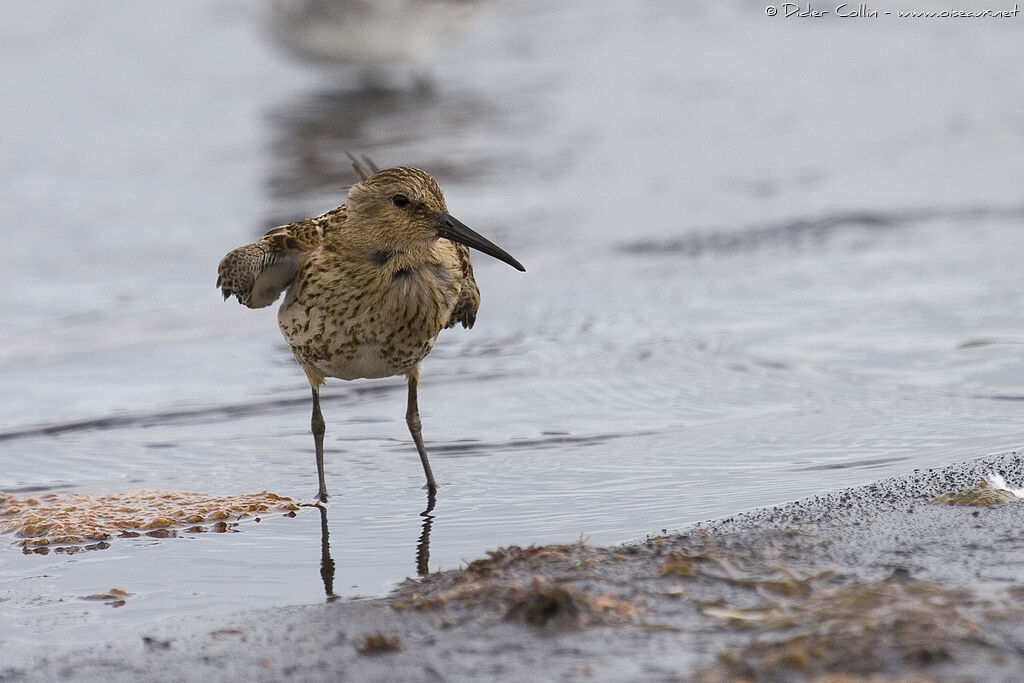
<point>368,286</point>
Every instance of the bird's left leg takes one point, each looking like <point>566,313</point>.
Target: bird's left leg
<point>318,428</point>
<point>412,418</point>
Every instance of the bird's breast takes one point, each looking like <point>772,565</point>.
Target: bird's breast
<point>364,320</point>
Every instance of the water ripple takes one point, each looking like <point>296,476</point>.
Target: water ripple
<point>803,232</point>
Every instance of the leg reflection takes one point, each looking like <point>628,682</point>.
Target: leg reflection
<point>326,563</point>
<point>423,546</point>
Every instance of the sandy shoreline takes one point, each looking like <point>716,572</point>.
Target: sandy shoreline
<point>870,581</point>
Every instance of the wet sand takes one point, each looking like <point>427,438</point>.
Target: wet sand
<point>875,581</point>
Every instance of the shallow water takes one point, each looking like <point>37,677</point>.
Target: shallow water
<point>765,258</point>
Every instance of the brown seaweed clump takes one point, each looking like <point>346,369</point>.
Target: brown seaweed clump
<point>70,522</point>
<point>862,629</point>
<point>806,623</point>
<point>379,643</point>
<point>115,597</point>
<point>982,493</point>
<point>532,585</point>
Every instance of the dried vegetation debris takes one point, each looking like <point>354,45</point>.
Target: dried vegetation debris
<point>867,628</point>
<point>982,493</point>
<point>781,612</point>
<point>72,522</point>
<point>729,566</point>
<point>378,643</point>
<point>539,586</point>
<point>805,622</point>
<point>115,597</point>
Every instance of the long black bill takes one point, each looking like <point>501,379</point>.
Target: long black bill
<point>453,229</point>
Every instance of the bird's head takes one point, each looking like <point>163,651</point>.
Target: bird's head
<point>406,208</point>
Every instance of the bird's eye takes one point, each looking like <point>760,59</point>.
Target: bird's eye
<point>400,200</point>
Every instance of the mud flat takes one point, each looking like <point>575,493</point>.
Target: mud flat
<point>877,582</point>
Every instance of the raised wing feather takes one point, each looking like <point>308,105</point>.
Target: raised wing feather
<point>469,297</point>
<point>257,273</point>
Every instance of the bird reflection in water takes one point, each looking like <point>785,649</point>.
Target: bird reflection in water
<point>422,546</point>
<point>312,133</point>
<point>326,562</point>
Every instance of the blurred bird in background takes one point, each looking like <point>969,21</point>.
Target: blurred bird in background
<point>373,37</point>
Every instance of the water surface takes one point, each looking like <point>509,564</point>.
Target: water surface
<point>765,258</point>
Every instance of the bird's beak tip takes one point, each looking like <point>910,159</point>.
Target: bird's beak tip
<point>453,229</point>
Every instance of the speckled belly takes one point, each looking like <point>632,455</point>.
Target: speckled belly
<point>349,351</point>
<point>369,361</point>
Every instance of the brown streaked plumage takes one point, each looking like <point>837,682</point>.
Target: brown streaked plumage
<point>368,286</point>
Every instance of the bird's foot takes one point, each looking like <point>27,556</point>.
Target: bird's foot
<point>320,501</point>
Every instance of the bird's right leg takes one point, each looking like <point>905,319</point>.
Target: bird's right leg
<point>318,426</point>
<point>412,418</point>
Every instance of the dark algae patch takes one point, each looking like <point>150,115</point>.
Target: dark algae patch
<point>378,643</point>
<point>538,586</point>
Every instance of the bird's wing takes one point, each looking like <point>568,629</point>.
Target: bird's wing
<point>257,273</point>
<point>469,297</point>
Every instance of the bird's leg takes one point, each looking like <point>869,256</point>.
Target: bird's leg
<point>412,418</point>
<point>317,424</point>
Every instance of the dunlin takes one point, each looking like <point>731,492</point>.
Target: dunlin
<point>368,286</point>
